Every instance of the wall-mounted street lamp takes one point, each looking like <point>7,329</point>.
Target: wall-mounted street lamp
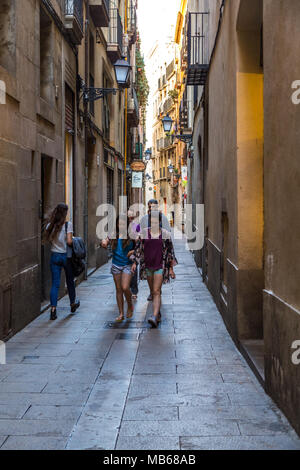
<point>122,70</point>
<point>171,168</point>
<point>167,122</point>
<point>148,154</point>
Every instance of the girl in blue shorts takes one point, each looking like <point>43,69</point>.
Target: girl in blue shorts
<point>121,269</point>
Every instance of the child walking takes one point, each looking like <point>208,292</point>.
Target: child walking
<point>154,253</point>
<point>121,269</point>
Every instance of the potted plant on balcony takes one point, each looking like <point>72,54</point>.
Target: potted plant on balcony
<point>142,85</point>
<point>174,95</point>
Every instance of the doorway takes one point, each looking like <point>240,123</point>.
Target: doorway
<point>45,207</point>
<point>250,164</point>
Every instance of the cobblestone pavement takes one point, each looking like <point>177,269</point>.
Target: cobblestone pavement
<point>83,382</point>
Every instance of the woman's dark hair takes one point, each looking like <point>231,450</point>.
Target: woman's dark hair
<point>55,222</point>
<point>126,241</point>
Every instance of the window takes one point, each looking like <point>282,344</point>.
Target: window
<point>92,71</point>
<point>46,57</point>
<point>8,35</point>
<point>110,186</point>
<point>69,144</point>
<point>106,111</point>
<point>119,182</point>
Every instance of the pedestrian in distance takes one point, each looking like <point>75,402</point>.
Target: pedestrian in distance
<point>146,221</point>
<point>59,233</point>
<point>154,252</point>
<point>134,230</point>
<point>122,250</point>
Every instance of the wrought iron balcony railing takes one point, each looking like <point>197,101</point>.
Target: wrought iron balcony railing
<point>133,109</point>
<point>74,20</point>
<point>132,17</point>
<point>170,69</point>
<point>198,53</point>
<point>115,31</point>
<point>168,104</point>
<point>183,114</point>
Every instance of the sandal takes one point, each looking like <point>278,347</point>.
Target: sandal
<point>129,313</point>
<point>134,296</point>
<point>119,319</point>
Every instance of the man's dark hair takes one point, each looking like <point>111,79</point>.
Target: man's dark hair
<point>152,201</point>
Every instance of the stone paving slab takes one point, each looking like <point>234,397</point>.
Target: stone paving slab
<point>143,443</point>
<point>69,413</point>
<point>84,382</point>
<point>239,443</point>
<point>134,412</point>
<point>13,411</point>
<point>39,428</point>
<point>34,443</point>
<point>178,428</point>
<point>22,387</point>
<point>3,439</point>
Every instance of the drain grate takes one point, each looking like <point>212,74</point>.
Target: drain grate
<point>31,357</point>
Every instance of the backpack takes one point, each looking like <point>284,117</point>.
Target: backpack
<point>77,254</point>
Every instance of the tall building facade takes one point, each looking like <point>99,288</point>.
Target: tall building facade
<point>55,145</point>
<point>240,73</point>
<point>169,153</point>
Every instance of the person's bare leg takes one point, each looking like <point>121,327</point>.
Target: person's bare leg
<point>157,283</point>
<point>119,296</point>
<point>150,284</point>
<point>126,279</point>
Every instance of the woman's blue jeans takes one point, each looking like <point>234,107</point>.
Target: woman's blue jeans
<point>59,261</point>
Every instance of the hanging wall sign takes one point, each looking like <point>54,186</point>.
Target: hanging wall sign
<point>184,176</point>
<point>137,179</point>
<point>138,165</point>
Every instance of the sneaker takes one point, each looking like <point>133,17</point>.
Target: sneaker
<point>153,322</point>
<point>75,306</point>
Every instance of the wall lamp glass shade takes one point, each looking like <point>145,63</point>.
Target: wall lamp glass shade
<point>167,123</point>
<point>122,70</point>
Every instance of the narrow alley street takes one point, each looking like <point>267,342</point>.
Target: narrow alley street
<point>84,382</point>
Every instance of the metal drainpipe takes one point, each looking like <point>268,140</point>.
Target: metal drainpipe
<point>86,126</point>
<point>126,104</point>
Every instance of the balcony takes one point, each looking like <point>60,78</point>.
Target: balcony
<point>115,36</point>
<point>99,10</point>
<point>197,48</point>
<point>170,69</point>
<point>183,115</point>
<point>160,144</point>
<point>74,20</point>
<point>133,109</point>
<point>132,20</point>
<point>168,142</point>
<point>168,105</point>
